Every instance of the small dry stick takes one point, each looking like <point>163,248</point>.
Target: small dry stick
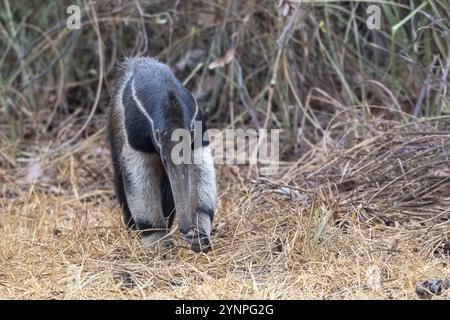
<point>289,28</point>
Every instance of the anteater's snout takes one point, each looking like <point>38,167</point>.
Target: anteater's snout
<point>185,229</point>
<point>199,241</point>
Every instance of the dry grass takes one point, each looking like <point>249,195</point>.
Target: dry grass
<point>364,196</point>
<point>307,233</point>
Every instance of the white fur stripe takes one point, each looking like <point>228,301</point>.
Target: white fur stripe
<point>195,113</point>
<point>143,111</point>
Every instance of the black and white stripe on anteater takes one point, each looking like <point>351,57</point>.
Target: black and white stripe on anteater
<point>149,104</point>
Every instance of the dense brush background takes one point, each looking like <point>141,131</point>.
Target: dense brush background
<point>330,60</point>
<point>315,71</point>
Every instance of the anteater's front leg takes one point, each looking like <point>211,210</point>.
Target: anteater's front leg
<point>204,195</point>
<point>142,177</point>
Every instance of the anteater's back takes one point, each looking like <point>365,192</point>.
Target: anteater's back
<point>151,78</point>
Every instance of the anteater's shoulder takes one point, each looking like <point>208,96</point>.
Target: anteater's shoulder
<point>146,65</point>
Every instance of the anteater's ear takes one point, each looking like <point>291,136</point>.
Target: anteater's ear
<point>157,136</point>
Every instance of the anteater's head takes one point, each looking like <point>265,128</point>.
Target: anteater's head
<point>174,137</point>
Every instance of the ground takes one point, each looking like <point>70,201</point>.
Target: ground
<point>62,238</point>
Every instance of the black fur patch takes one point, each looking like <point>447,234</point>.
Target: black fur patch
<point>167,101</point>
<point>168,204</point>
<point>145,228</point>
<point>206,210</point>
<point>138,127</point>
